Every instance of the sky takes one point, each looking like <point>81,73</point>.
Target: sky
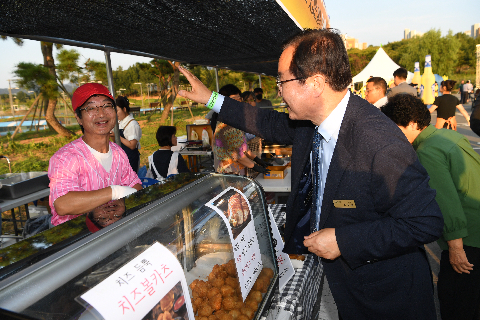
<point>373,21</point>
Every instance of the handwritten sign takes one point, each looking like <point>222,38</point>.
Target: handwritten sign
<point>233,207</point>
<point>151,282</point>
<point>285,267</point>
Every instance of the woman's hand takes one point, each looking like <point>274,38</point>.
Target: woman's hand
<point>200,93</point>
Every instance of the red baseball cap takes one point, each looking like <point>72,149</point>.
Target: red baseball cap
<point>84,92</point>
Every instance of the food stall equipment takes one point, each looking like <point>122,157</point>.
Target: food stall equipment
<point>43,276</point>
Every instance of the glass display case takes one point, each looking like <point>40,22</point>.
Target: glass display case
<point>43,276</point>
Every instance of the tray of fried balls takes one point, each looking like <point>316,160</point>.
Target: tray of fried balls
<point>220,297</point>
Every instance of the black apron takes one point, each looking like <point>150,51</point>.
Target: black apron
<point>133,155</point>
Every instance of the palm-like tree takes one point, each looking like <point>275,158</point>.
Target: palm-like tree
<point>49,89</point>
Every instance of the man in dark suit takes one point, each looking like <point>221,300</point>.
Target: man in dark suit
<point>366,192</point>
<point>401,86</point>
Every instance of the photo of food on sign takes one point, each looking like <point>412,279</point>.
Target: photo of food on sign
<point>171,307</point>
<point>235,207</point>
<point>219,296</point>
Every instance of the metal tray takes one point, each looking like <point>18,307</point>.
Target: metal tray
<point>17,185</point>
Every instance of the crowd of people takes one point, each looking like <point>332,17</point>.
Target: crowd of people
<point>408,183</point>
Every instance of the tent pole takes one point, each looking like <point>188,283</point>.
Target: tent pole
<point>216,79</point>
<point>111,87</point>
<point>259,81</point>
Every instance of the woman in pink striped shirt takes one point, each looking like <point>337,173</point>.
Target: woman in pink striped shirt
<point>90,171</point>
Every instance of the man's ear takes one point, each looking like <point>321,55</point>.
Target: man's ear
<point>319,82</point>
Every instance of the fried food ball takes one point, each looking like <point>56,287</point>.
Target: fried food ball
<point>230,268</point>
<point>229,303</point>
<point>255,295</point>
<point>195,294</point>
<point>267,272</point>
<point>201,318</point>
<point>202,288</point>
<point>167,316</point>
<point>243,317</point>
<point>213,292</point>
<point>212,317</point>
<point>220,312</point>
<point>197,303</point>
<point>167,302</point>
<point>223,316</point>
<point>217,272</point>
<point>205,310</point>
<point>218,282</point>
<point>251,304</point>
<point>234,314</point>
<point>248,312</point>
<point>193,284</point>
<point>232,282</point>
<point>216,302</point>
<point>227,291</point>
<point>240,304</point>
<point>257,286</point>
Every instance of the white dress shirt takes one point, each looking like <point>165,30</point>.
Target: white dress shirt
<point>381,102</point>
<point>329,129</point>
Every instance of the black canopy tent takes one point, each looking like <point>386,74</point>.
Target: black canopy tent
<point>243,35</point>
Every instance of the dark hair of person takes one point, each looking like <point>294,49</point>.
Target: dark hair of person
<point>229,90</point>
<point>123,103</point>
<point>320,52</point>
<point>257,90</point>
<point>404,108</point>
<point>401,73</point>
<point>164,135</point>
<point>379,82</point>
<point>78,112</point>
<point>247,94</point>
<point>449,84</point>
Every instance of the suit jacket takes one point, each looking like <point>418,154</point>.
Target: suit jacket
<point>402,88</point>
<point>383,272</point>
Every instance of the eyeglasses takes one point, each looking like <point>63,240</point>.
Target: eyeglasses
<point>367,91</point>
<point>93,110</point>
<point>279,83</point>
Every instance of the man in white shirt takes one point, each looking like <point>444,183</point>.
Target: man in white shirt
<point>359,197</point>
<point>375,91</point>
<point>468,89</point>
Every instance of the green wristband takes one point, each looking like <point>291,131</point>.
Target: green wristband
<point>213,99</point>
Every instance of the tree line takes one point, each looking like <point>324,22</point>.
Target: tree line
<point>158,77</point>
<point>452,53</point>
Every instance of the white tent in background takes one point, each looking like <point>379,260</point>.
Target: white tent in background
<point>381,65</point>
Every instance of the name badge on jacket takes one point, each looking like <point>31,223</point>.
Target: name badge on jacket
<point>348,204</point>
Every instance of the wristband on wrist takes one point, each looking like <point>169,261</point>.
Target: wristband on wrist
<point>213,99</point>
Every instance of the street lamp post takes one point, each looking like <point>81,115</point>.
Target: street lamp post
<point>11,97</point>
<point>141,92</point>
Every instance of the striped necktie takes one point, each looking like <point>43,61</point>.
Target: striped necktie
<point>317,180</point>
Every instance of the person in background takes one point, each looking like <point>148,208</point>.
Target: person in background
<point>258,92</point>
<point>454,170</point>
<point>468,89</point>
<point>90,171</point>
<point>401,86</point>
<point>248,97</point>
<point>446,106</point>
<point>164,162</point>
<point>461,91</point>
<point>375,91</point>
<point>130,132</point>
<point>475,119</point>
<point>230,144</point>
